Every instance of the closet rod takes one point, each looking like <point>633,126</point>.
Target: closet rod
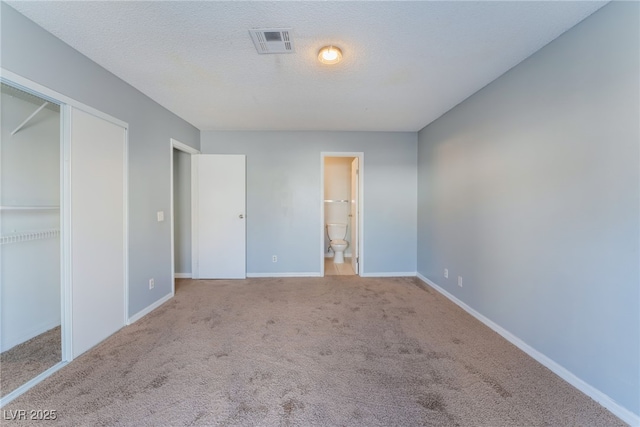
<point>30,117</point>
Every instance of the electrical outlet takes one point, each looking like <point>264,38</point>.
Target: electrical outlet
<point>274,258</point>
<point>460,281</point>
<point>446,273</point>
<point>152,283</point>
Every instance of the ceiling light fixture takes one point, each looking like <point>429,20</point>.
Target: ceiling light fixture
<point>330,55</point>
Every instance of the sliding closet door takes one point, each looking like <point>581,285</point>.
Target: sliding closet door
<point>98,220</point>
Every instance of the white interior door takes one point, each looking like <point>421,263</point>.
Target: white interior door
<point>98,229</point>
<point>219,238</point>
<point>355,176</point>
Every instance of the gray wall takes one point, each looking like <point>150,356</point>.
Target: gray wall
<point>530,191</point>
<point>284,190</point>
<point>182,211</point>
<point>31,52</point>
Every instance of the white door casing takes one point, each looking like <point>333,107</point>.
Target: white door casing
<point>218,211</point>
<point>354,213</point>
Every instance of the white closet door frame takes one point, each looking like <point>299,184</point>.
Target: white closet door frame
<point>66,103</point>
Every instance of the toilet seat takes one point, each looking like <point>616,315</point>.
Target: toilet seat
<point>338,242</point>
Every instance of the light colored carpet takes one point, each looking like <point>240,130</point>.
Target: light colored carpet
<point>333,351</point>
<point>25,361</point>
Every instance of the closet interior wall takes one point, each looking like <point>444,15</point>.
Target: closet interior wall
<point>30,249</point>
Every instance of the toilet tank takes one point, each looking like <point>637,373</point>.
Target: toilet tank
<point>336,231</point>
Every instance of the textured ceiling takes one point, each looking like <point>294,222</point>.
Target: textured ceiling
<point>405,63</point>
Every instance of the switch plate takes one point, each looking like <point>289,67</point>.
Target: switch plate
<point>460,281</point>
<point>160,216</point>
<point>152,283</point>
<point>446,273</point>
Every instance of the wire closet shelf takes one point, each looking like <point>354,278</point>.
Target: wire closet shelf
<point>28,236</point>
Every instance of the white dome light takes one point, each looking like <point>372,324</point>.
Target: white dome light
<point>330,55</point>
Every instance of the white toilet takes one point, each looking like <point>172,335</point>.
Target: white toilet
<point>337,234</point>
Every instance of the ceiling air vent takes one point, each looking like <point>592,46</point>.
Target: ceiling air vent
<point>272,40</point>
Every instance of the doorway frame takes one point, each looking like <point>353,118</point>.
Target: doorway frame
<point>361,230</point>
<point>180,146</point>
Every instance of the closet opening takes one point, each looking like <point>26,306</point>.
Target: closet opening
<point>31,173</point>
<point>63,283</point>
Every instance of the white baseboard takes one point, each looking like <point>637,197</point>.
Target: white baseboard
<point>390,274</point>
<point>182,275</point>
<point>624,414</point>
<point>139,315</point>
<point>306,274</point>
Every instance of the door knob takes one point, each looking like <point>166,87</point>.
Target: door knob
<point>240,216</point>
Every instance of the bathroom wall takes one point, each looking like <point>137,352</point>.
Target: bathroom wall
<point>337,186</point>
<point>284,192</point>
<point>530,191</point>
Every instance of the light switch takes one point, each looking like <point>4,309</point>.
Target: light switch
<point>160,216</point>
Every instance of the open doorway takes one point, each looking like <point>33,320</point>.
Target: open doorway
<point>341,213</point>
<point>180,167</point>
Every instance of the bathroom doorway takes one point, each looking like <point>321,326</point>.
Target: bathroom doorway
<point>341,213</point>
